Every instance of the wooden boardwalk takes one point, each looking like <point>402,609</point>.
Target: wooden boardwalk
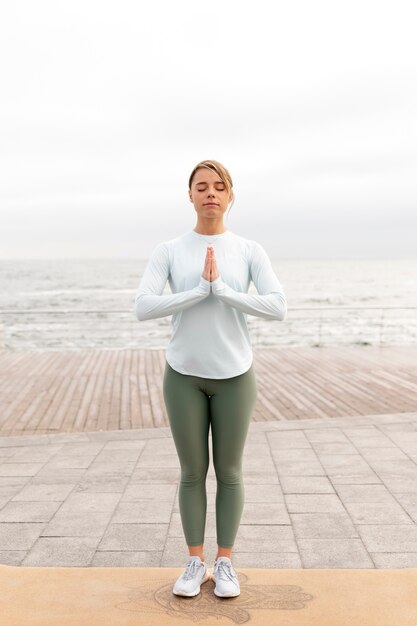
<point>93,390</point>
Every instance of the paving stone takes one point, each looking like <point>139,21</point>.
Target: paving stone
<point>10,485</point>
<point>8,453</point>
<point>24,440</point>
<point>154,446</point>
<point>112,558</point>
<point>104,502</point>
<point>325,435</point>
<point>152,460</point>
<point>323,525</point>
<point>12,557</point>
<point>34,454</point>
<point>271,560</point>
<point>288,439</point>
<point>254,476</point>
<point>365,431</point>
<point>364,493</point>
<point>29,511</point>
<point>155,475</point>
<point>373,441</point>
<point>381,454</point>
<point>265,538</point>
<point>318,493</point>
<point>256,448</point>
<point>313,503</point>
<point>400,484</point>
<point>61,552</point>
<point>77,524</point>
<point>19,536</point>
<point>256,436</point>
<point>265,513</point>
<point>70,462</point>
<point>408,447</point>
<point>343,462</point>
<point>377,513</point>
<point>258,492</point>
<point>306,484</point>
<point>403,437</point>
<point>44,493</point>
<point>54,438</point>
<point>81,449</point>
<point>143,511</point>
<point>394,426</point>
<point>127,444</point>
<point>117,456</point>
<point>337,447</point>
<point>352,478</point>
<point>294,454</point>
<point>58,475</point>
<point>396,467</point>
<point>409,503</point>
<point>125,435</point>
<point>299,468</point>
<point>146,491</point>
<point>394,560</point>
<point>257,462</point>
<point>102,484</point>
<point>334,553</point>
<point>134,537</point>
<point>4,500</point>
<point>112,470</point>
<point>389,537</point>
<point>20,469</point>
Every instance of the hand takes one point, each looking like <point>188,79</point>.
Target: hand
<point>210,268</point>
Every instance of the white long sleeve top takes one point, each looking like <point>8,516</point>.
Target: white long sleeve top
<point>210,336</point>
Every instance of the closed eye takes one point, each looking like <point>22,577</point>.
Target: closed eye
<point>218,189</point>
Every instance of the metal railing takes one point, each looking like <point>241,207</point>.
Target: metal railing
<point>118,328</point>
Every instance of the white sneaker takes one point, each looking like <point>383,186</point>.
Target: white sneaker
<point>195,574</point>
<point>227,582</point>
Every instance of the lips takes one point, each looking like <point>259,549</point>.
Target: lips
<point>211,204</point>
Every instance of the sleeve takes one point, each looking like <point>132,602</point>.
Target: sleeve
<point>149,301</point>
<point>270,303</point>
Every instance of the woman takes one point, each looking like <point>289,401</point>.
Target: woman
<point>209,379</point>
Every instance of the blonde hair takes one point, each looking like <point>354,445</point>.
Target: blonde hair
<point>220,169</point>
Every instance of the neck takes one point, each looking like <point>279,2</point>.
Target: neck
<point>210,228</point>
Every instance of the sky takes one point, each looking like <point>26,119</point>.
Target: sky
<point>106,107</point>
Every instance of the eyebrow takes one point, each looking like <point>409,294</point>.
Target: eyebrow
<point>203,182</point>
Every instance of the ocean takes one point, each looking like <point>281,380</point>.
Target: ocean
<point>84,303</point>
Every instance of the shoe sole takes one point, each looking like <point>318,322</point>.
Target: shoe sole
<point>197,591</point>
<point>226,595</point>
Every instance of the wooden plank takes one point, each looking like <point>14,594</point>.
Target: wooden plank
<point>146,410</point>
<point>89,390</point>
<point>95,411</point>
<point>104,402</point>
<point>135,415</point>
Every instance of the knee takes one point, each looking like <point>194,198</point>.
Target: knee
<point>194,474</point>
<point>228,474</point>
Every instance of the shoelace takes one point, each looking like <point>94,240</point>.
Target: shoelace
<point>225,569</point>
<point>191,568</point>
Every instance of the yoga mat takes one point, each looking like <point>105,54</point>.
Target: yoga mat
<point>121,596</point>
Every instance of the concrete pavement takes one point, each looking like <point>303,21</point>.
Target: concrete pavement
<point>319,493</point>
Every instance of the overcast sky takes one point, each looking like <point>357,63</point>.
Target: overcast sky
<point>105,108</point>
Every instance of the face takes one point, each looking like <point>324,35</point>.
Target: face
<point>208,193</point>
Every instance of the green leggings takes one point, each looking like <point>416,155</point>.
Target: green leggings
<point>192,404</point>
